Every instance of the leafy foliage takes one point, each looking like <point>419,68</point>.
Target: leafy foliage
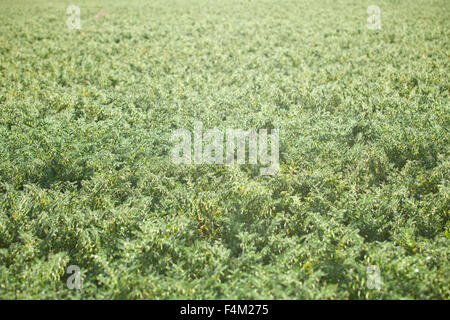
<point>86,176</point>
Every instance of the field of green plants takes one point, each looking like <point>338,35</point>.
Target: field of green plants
<point>86,177</point>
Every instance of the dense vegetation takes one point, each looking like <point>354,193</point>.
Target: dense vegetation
<point>86,176</point>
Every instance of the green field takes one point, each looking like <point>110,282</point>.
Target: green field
<point>86,177</point>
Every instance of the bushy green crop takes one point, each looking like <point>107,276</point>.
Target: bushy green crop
<point>86,176</point>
